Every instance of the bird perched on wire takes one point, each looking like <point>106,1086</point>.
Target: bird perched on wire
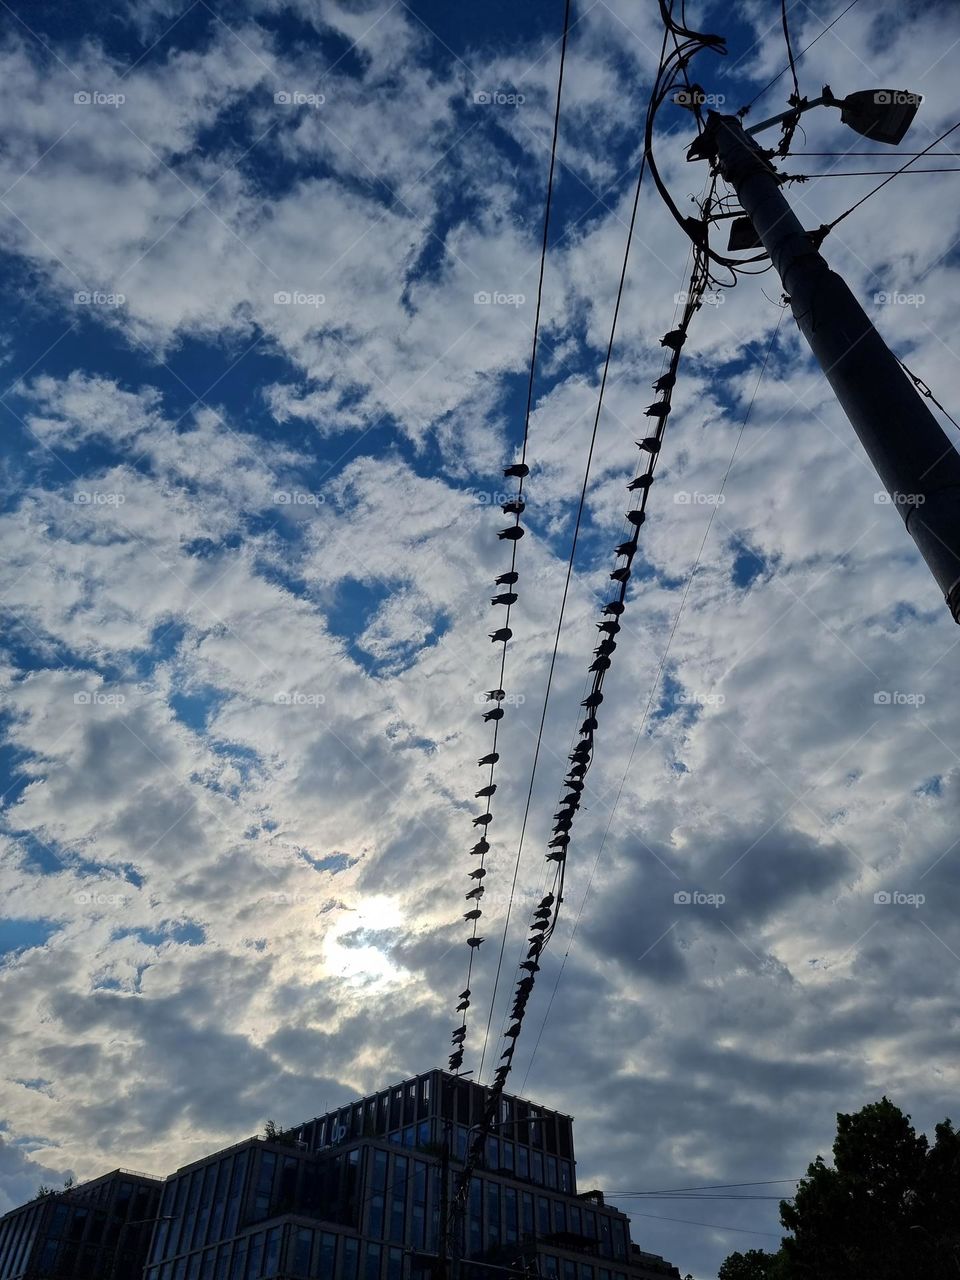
<point>506,597</point>
<point>512,533</point>
<point>497,714</point>
<point>508,579</point>
<point>518,469</point>
<point>492,758</point>
<point>501,633</point>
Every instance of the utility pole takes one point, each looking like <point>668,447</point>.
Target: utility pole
<point>916,463</point>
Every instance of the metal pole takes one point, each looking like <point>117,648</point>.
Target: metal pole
<point>915,461</point>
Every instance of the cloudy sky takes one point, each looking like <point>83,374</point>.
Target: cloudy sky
<point>256,425</point>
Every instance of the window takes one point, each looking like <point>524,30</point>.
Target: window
<point>419,1209</point>
<point>569,1270</point>
<point>559,1216</point>
<point>476,1208</point>
<point>351,1258</point>
<point>328,1255</point>
<point>493,1214</point>
<point>511,1224</point>
<point>552,1172</point>
<point>378,1196</point>
<point>271,1257</point>
<point>586,1271</point>
<point>238,1269</point>
<point>523,1162</point>
<point>394,1264</point>
<point>543,1216</point>
<point>619,1239</point>
<point>302,1250</point>
<point>590,1224</point>
<point>261,1204</point>
<point>526,1213</point>
<point>536,1167</point>
<point>371,1262</point>
<point>461,1142</point>
<point>255,1256</point>
<point>398,1199</point>
<point>493,1153</point>
<point>566,1176</point>
<point>575,1220</point>
<point>606,1243</point>
<point>424,1133</point>
<point>550,1268</point>
<point>208,1264</point>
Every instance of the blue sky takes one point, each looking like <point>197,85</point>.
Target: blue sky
<point>250,544</point>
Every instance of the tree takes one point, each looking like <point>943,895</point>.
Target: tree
<point>888,1209</point>
<point>755,1264</point>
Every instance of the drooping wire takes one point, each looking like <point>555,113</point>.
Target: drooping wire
<point>791,124</point>
<point>566,585</point>
<point>507,598</point>
<point>653,689</point>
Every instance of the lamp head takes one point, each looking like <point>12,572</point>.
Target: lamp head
<point>882,115</point>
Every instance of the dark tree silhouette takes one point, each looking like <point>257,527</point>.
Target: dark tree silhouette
<point>888,1209</point>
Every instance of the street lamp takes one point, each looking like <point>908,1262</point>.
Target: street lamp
<point>882,115</point>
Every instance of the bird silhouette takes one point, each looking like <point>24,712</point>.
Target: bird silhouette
<point>496,714</point>
<point>512,533</point>
<point>673,340</point>
<point>462,1006</point>
<point>557,855</point>
<point>502,633</point>
<point>482,819</point>
<point>492,758</point>
<point>531,966</point>
<point>474,894</point>
<point>514,508</point>
<point>518,469</point>
<point>593,699</point>
<point>465,994</point>
<point>482,846</point>
<point>627,548</point>
<point>478,873</point>
<point>642,482</point>
<point>507,598</point>
<point>650,444</point>
<point>475,942</point>
<point>611,628</point>
<point>485,791</point>
<point>636,517</point>
<point>599,664</point>
<point>540,924</point>
<point>614,608</point>
<point>659,409</point>
<point>621,575</point>
<point>495,695</point>
<point>475,914</point>
<point>508,579</point>
<point>590,725</point>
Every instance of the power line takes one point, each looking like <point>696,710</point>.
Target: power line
<point>653,689</point>
<point>508,597</point>
<point>902,169</point>
<point>865,173</point>
<point>713,1226</point>
<point>744,110</point>
<point>566,585</point>
<point>710,1186</point>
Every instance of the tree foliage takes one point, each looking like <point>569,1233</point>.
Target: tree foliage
<point>888,1208</point>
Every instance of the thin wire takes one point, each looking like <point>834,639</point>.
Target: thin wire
<point>710,1186</point>
<point>653,689</point>
<point>713,1226</point>
<point>523,454</point>
<point>566,585</point>
<point>902,169</point>
<point>867,173</point>
<point>744,110</point>
<point>925,390</point>
<point>879,155</point>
